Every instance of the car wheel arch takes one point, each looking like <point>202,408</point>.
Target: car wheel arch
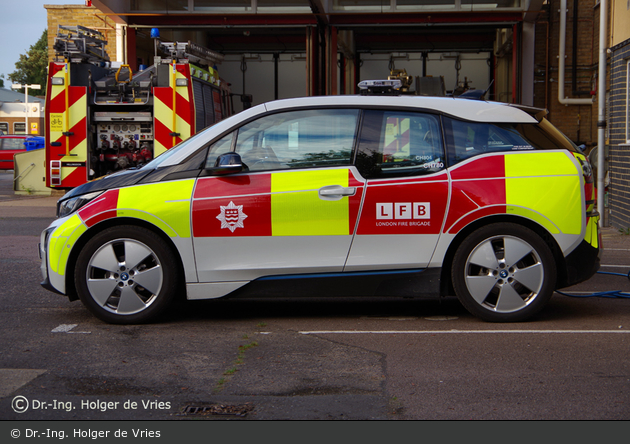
<point>446,286</point>
<point>71,291</point>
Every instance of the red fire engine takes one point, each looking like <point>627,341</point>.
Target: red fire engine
<point>101,117</point>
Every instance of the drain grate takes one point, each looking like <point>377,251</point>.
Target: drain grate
<point>240,410</point>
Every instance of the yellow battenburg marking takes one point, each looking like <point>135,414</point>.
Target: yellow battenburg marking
<point>61,242</point>
<point>297,210</point>
<point>548,184</point>
<point>162,113</point>
<point>591,235</point>
<point>164,204</point>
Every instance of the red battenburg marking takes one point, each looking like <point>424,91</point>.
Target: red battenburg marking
<point>410,204</point>
<point>475,215</point>
<point>471,195</point>
<point>101,208</point>
<point>213,196</point>
<point>484,168</point>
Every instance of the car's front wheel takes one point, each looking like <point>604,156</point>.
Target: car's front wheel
<point>126,275</point>
<point>504,272</point>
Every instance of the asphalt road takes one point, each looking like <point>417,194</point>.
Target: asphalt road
<point>304,359</point>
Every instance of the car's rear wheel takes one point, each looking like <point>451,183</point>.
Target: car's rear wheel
<point>504,272</point>
<point>126,275</point>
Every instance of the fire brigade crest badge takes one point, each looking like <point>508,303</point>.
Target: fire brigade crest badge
<point>232,216</point>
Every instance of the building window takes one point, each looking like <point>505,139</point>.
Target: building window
<point>4,127</point>
<point>476,5</point>
<point>365,5</point>
<point>159,5</point>
<point>293,6</point>
<point>19,128</point>
<point>421,6</point>
<point>223,5</point>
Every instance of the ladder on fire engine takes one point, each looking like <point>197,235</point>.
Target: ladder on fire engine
<point>80,44</point>
<point>192,52</point>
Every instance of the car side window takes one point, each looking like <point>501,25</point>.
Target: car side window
<point>221,146</point>
<point>394,144</point>
<point>298,139</point>
<point>468,139</point>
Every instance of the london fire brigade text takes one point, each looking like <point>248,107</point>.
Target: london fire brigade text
<point>403,210</point>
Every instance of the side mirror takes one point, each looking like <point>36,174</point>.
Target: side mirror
<point>227,163</point>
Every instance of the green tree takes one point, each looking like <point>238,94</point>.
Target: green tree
<point>31,67</point>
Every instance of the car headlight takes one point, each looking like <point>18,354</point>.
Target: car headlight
<point>71,205</point>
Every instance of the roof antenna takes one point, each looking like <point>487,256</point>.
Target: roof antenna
<point>476,94</point>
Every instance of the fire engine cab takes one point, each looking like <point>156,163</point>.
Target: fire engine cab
<point>101,117</point>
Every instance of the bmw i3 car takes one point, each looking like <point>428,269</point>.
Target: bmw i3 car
<point>385,195</point>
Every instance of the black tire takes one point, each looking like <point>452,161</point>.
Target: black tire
<point>126,275</point>
<point>504,272</point>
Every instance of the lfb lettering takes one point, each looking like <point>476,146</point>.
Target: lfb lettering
<point>403,210</point>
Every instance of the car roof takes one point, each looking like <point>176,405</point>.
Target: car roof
<point>474,110</point>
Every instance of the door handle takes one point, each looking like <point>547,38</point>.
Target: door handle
<point>336,192</point>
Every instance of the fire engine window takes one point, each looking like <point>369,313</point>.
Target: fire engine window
<point>395,144</point>
<point>299,139</point>
<point>468,139</point>
<point>221,146</point>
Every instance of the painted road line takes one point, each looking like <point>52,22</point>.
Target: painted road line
<point>63,328</point>
<point>67,328</point>
<point>456,332</point>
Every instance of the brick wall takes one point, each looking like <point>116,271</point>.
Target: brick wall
<point>73,15</point>
<point>578,122</point>
<point>619,151</point>
<point>10,122</point>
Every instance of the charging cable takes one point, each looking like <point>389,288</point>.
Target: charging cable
<point>603,294</point>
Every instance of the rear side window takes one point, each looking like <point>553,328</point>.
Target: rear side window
<point>544,135</point>
<point>395,144</point>
<point>468,139</point>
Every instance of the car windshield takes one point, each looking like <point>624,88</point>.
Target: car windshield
<point>182,146</point>
<point>188,146</point>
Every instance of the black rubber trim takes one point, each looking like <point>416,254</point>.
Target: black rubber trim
<point>581,264</point>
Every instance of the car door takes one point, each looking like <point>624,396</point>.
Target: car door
<point>401,157</point>
<point>293,210</point>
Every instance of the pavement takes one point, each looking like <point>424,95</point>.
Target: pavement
<point>23,205</point>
